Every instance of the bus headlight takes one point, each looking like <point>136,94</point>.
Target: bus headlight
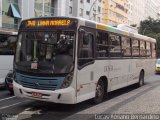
<point>67,81</point>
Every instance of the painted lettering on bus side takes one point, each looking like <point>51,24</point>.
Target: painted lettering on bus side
<point>111,68</point>
<point>108,68</point>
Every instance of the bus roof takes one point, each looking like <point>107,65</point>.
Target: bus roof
<point>109,28</point>
<point>100,26</point>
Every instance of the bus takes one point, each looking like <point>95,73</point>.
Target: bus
<point>7,49</point>
<point>69,60</point>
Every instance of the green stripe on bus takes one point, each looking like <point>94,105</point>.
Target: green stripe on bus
<point>110,29</point>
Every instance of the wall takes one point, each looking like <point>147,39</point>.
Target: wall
<point>7,21</point>
<point>27,9</point>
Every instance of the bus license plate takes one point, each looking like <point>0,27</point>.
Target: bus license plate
<point>35,94</point>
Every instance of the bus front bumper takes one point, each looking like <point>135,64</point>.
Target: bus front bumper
<point>65,96</point>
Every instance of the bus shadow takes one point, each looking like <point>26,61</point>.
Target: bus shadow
<point>61,111</point>
<point>122,91</point>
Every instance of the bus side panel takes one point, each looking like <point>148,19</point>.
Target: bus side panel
<point>149,67</point>
<point>137,66</point>
<point>99,71</point>
<point>84,80</point>
<point>119,71</point>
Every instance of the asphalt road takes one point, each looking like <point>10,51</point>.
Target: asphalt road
<point>129,100</point>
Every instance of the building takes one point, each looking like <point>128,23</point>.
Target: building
<point>13,11</point>
<point>9,14</point>
<point>137,11</point>
<point>142,9</point>
<point>88,9</point>
<point>105,11</point>
<point>151,8</point>
<point>115,12</point>
<point>130,12</point>
<point>112,12</point>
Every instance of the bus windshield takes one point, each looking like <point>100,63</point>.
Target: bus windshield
<point>45,52</point>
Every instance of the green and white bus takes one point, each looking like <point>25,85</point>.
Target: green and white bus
<point>70,60</point>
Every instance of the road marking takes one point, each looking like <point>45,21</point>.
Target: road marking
<point>13,105</point>
<point>26,114</point>
<point>7,98</point>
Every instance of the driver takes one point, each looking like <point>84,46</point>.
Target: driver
<point>62,43</point>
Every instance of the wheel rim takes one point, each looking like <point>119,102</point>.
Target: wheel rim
<point>99,91</point>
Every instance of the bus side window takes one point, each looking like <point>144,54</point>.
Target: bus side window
<point>135,48</point>
<point>115,48</point>
<point>153,46</point>
<point>148,49</point>
<point>142,48</point>
<point>102,44</point>
<point>126,46</point>
<point>85,48</point>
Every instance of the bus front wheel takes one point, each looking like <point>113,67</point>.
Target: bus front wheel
<point>99,95</point>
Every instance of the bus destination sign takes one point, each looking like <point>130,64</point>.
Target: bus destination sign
<point>48,23</point>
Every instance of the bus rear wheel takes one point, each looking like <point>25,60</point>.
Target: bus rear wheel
<point>99,95</point>
<point>141,79</point>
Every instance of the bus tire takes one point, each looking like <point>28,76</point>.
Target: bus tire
<point>141,79</point>
<point>99,95</point>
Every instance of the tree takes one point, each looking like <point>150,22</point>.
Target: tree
<point>151,28</point>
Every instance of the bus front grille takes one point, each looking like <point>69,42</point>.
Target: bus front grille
<point>40,83</point>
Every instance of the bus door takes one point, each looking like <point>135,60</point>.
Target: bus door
<point>85,63</point>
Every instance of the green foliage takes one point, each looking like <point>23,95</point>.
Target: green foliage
<point>151,28</point>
